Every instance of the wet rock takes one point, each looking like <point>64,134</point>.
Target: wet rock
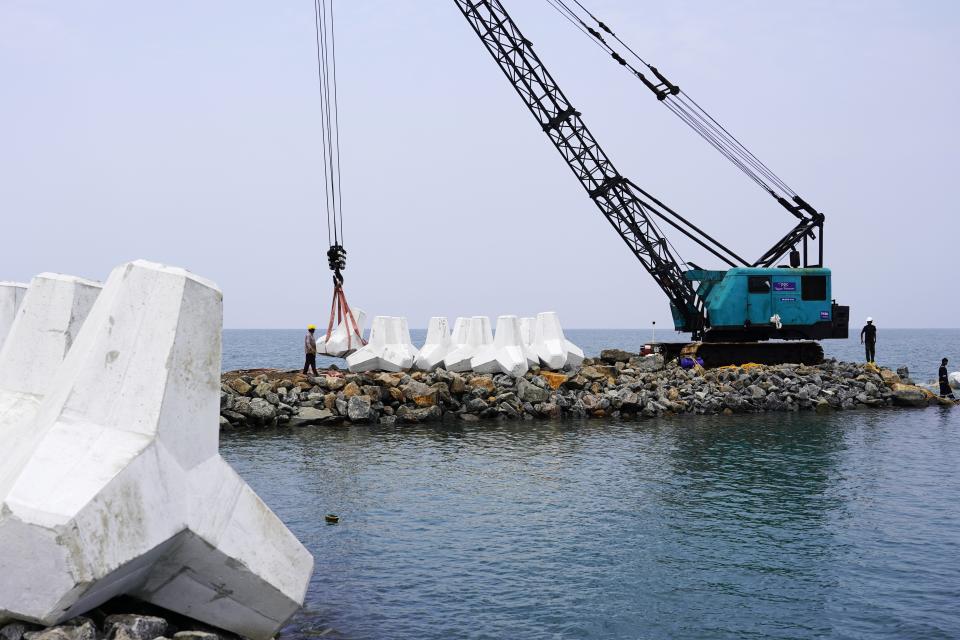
<point>359,409</point>
<point>906,395</point>
<point>411,415</point>
<point>309,415</point>
<point>529,392</point>
<point>476,405</point>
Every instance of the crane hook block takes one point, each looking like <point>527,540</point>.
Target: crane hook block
<point>337,258</point>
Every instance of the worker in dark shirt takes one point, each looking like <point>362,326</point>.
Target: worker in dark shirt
<point>945,390</point>
<point>868,338</point>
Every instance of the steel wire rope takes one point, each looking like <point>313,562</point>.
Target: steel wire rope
<point>336,115</point>
<point>721,138</point>
<point>327,116</point>
<point>320,78</point>
<point>769,171</point>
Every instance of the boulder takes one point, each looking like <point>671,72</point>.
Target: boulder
<point>528,392</point>
<point>481,382</point>
<point>906,395</point>
<point>411,415</point>
<point>310,415</point>
<point>135,627</point>
<point>78,629</point>
<point>359,409</point>
<point>648,364</point>
<point>613,356</point>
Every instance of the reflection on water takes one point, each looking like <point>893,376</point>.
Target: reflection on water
<point>770,526</point>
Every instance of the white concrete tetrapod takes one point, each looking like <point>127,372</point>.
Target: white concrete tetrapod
<point>344,338</point>
<point>367,358</point>
<point>527,329</point>
<point>398,353</point>
<point>406,341</point>
<point>506,354</point>
<point>549,341</point>
<point>11,295</point>
<point>955,379</point>
<point>478,336</point>
<point>574,355</point>
<point>121,489</point>
<point>49,320</point>
<point>436,346</point>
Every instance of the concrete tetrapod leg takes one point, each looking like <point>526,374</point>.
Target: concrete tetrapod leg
<point>479,335</point>
<point>344,339</point>
<point>367,358</point>
<point>527,329</point>
<point>574,355</point>
<point>436,347</point>
<point>398,353</point>
<point>506,354</point>
<point>122,489</point>
<point>53,311</point>
<point>549,341</point>
<point>11,295</point>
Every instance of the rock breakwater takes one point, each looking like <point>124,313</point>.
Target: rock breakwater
<point>617,385</point>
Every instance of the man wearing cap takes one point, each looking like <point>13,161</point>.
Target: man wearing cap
<point>310,349</point>
<point>868,337</point>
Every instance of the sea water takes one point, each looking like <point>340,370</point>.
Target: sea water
<point>842,525</point>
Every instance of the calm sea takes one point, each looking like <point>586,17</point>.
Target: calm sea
<point>843,525</point>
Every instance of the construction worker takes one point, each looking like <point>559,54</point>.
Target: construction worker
<point>310,349</point>
<point>945,390</point>
<point>868,337</point>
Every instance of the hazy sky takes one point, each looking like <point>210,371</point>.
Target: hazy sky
<point>188,133</point>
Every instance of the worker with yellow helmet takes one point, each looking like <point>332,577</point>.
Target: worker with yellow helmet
<point>310,349</point>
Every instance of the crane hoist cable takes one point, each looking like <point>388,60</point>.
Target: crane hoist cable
<point>685,108</point>
<point>326,50</point>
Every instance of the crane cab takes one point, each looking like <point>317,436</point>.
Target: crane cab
<point>747,303</point>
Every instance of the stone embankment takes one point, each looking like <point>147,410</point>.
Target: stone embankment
<point>116,627</point>
<point>617,385</point>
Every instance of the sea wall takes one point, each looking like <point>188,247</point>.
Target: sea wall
<point>617,385</point>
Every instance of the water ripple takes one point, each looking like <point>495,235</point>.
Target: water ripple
<point>796,526</point>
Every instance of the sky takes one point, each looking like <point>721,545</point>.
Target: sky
<point>189,133</point>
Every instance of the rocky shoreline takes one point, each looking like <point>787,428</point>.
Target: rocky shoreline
<point>102,624</point>
<point>618,385</point>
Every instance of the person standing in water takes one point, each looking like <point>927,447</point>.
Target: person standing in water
<point>310,349</point>
<point>868,338</point>
<point>945,390</point>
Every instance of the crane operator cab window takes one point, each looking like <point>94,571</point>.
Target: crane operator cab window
<point>813,287</point>
<point>758,284</point>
